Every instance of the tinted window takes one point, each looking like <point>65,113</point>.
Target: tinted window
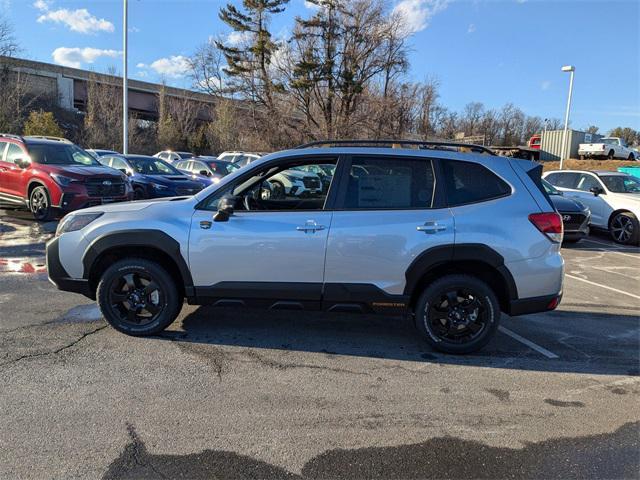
<point>152,166</point>
<point>586,182</point>
<point>468,182</point>
<point>621,183</point>
<point>3,145</point>
<point>60,154</point>
<point>389,183</point>
<point>119,164</point>
<point>13,152</point>
<point>563,180</point>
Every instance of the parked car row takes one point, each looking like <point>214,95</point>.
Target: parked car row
<point>613,199</point>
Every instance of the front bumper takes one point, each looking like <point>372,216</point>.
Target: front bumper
<point>59,276</point>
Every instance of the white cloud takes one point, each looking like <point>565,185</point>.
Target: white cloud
<point>416,14</point>
<point>472,28</point>
<point>238,38</point>
<point>545,85</point>
<point>175,66</point>
<point>79,20</point>
<point>311,5</point>
<point>134,30</point>
<point>75,57</point>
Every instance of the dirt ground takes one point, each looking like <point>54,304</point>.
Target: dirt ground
<point>575,164</point>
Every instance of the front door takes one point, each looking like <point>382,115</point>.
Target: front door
<point>270,249</point>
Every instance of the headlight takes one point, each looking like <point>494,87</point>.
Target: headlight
<point>73,222</point>
<point>157,186</point>
<point>62,180</point>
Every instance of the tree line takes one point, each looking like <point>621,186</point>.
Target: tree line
<point>343,72</point>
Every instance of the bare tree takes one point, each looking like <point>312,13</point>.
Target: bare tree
<point>8,44</point>
<point>207,69</point>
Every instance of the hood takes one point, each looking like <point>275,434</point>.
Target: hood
<point>299,174</point>
<point>172,180</point>
<point>131,206</point>
<point>631,199</point>
<point>564,204</point>
<point>83,172</point>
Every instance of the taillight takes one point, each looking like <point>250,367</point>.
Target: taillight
<point>549,223</point>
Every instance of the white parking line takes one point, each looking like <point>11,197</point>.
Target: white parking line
<point>528,343</point>
<point>603,286</point>
<point>613,248</point>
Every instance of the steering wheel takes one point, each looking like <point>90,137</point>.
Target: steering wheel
<point>250,203</point>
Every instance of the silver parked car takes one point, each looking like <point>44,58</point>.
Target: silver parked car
<point>451,238</point>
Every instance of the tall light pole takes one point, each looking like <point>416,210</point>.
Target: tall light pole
<point>565,149</point>
<point>125,82</point>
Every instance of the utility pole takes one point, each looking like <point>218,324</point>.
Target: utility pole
<point>125,82</point>
<point>565,149</point>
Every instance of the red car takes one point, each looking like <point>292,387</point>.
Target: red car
<point>52,175</point>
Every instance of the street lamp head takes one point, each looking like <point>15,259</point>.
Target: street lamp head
<point>568,68</point>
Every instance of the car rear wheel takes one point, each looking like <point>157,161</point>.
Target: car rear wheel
<point>138,297</point>
<point>625,228</point>
<point>611,155</point>
<point>40,204</point>
<point>631,157</point>
<point>457,314</point>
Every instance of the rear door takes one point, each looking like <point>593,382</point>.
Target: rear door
<point>13,176</point>
<point>388,212</point>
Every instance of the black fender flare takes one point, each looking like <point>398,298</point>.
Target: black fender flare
<point>138,238</point>
<point>442,254</point>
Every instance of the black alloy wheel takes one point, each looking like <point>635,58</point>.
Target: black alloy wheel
<point>40,204</point>
<point>625,228</point>
<point>138,297</point>
<point>458,314</point>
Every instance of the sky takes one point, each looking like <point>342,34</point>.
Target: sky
<point>488,51</point>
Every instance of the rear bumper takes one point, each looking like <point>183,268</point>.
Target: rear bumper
<point>59,276</point>
<point>525,306</point>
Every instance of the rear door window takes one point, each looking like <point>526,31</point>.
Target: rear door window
<point>3,146</point>
<point>563,179</point>
<point>468,182</point>
<point>382,183</point>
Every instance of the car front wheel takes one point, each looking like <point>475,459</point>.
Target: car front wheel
<point>457,314</point>
<point>40,204</point>
<point>625,229</point>
<point>138,297</point>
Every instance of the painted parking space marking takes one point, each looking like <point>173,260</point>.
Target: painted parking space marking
<point>613,248</point>
<point>622,292</point>
<point>528,343</point>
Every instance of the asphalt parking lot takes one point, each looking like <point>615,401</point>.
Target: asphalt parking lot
<point>247,394</point>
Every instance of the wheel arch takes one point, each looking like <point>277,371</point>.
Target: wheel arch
<point>152,245</point>
<point>476,260</point>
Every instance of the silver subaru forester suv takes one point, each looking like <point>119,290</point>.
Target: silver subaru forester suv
<point>450,234</point>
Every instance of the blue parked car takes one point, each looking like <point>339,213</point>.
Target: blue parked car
<point>151,177</point>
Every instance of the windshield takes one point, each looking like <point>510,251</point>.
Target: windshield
<point>551,190</point>
<point>60,154</point>
<point>621,183</point>
<point>223,168</point>
<point>152,166</point>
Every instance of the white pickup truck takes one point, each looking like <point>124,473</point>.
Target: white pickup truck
<point>608,147</point>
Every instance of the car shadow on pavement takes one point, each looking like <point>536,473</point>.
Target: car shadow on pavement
<point>382,337</point>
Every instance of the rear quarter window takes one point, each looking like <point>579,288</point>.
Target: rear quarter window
<point>468,182</point>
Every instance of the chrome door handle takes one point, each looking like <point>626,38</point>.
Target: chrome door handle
<point>310,226</point>
<point>431,227</point>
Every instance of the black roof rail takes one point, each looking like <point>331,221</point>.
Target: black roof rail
<point>11,135</point>
<point>421,144</point>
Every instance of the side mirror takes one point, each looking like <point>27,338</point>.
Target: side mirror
<point>205,173</point>
<point>225,209</point>
<point>596,191</point>
<point>22,162</point>
<point>125,171</point>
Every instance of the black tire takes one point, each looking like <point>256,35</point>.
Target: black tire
<point>137,280</point>
<point>581,157</point>
<point>631,158</point>
<point>40,204</point>
<point>624,228</point>
<point>139,193</point>
<point>466,338</point>
<point>611,155</point>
